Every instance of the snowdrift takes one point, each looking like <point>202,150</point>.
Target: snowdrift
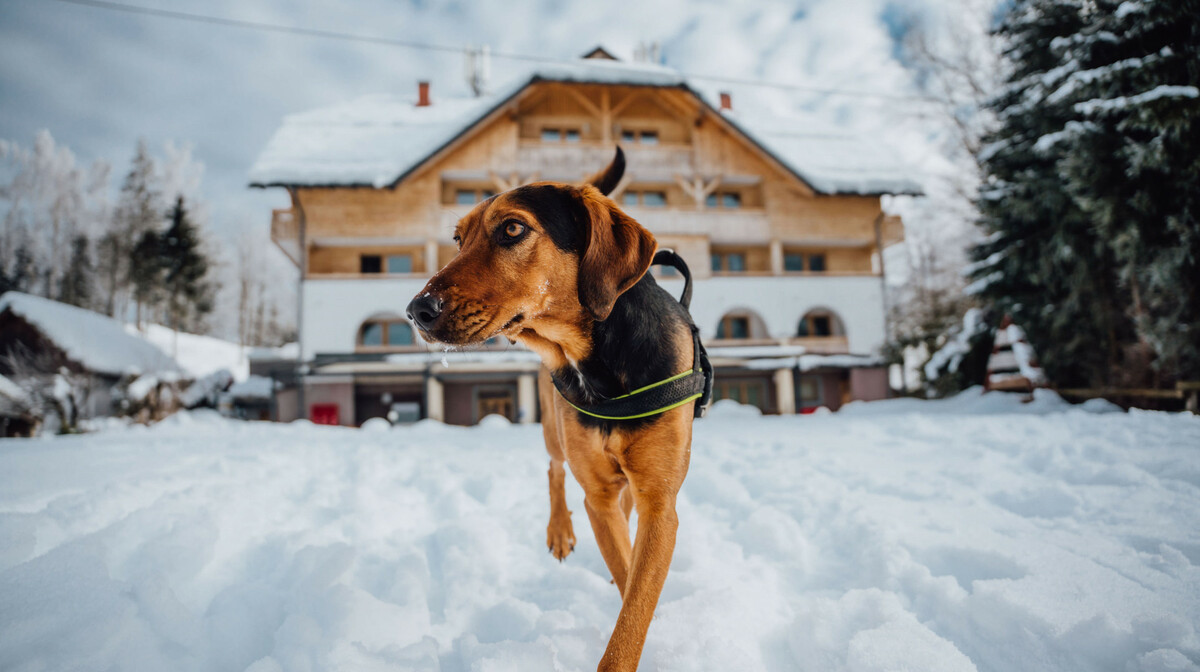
<point>969,534</point>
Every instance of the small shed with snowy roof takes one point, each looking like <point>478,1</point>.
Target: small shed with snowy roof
<point>39,336</point>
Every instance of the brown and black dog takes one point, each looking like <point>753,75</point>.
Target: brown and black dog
<point>561,269</point>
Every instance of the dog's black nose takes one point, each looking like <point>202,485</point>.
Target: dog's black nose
<point>424,311</point>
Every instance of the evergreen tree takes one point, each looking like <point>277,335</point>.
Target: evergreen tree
<point>78,278</point>
<point>23,272</point>
<point>1131,157</point>
<point>146,273</point>
<point>137,212</point>
<point>1042,262</point>
<point>189,296</point>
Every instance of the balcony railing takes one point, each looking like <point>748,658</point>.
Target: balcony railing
<point>563,161</point>
<point>720,226</point>
<point>285,232</point>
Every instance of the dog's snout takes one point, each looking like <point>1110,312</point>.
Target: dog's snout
<point>425,310</point>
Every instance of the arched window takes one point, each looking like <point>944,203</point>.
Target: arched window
<point>820,323</point>
<point>741,325</point>
<point>385,333</point>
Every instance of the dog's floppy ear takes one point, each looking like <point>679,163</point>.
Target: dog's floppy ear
<point>608,179</point>
<point>618,253</point>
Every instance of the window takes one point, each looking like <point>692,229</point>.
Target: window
<point>752,392</point>
<point>639,137</point>
<point>734,326</point>
<point>399,333</point>
<point>399,263</point>
<point>654,199</point>
<point>809,391</point>
<point>723,199</point>
<point>649,199</point>
<point>796,262</point>
<point>560,135</point>
<point>472,196</point>
<point>370,263</point>
<point>386,333</point>
<point>372,334</point>
<point>819,324</point>
<point>730,262</point>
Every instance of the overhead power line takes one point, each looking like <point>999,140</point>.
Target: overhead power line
<point>427,46</point>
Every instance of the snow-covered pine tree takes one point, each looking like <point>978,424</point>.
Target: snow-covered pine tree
<point>1131,155</point>
<point>189,295</point>
<point>1041,261</point>
<point>78,280</point>
<point>138,211</point>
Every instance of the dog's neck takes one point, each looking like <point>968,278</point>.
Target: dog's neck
<point>643,341</point>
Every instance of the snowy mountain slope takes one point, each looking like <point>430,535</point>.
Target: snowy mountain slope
<point>961,535</point>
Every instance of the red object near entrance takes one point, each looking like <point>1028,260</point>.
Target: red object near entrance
<point>323,414</point>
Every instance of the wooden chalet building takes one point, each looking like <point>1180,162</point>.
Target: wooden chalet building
<point>780,222</point>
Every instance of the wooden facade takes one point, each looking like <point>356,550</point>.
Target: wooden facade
<point>692,179</point>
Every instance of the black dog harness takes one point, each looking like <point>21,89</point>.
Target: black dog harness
<point>693,385</point>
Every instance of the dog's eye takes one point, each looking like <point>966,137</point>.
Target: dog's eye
<point>513,228</point>
<point>458,241</point>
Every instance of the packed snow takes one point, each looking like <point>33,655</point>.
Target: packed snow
<point>976,533</point>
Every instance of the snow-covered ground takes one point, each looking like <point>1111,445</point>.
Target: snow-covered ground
<point>975,533</point>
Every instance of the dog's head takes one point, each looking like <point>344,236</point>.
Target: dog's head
<point>539,258</point>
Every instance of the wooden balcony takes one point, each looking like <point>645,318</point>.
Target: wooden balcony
<point>285,233</point>
<point>719,226</point>
<point>562,161</point>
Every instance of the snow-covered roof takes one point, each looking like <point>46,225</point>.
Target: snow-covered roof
<point>829,159</point>
<point>197,355</point>
<point>254,387</point>
<point>94,341</point>
<point>378,140</point>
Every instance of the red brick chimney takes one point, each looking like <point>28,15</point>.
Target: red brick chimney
<point>726,101</point>
<point>422,94</point>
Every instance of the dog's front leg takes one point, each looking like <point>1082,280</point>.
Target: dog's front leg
<point>657,525</point>
<point>560,534</point>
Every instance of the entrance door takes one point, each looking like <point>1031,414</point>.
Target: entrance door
<point>498,400</point>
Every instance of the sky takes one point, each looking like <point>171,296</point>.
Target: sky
<point>100,79</point>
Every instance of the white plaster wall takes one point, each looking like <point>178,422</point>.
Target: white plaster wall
<point>782,301</point>
<point>334,309</point>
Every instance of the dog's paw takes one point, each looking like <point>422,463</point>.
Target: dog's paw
<point>560,536</point>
